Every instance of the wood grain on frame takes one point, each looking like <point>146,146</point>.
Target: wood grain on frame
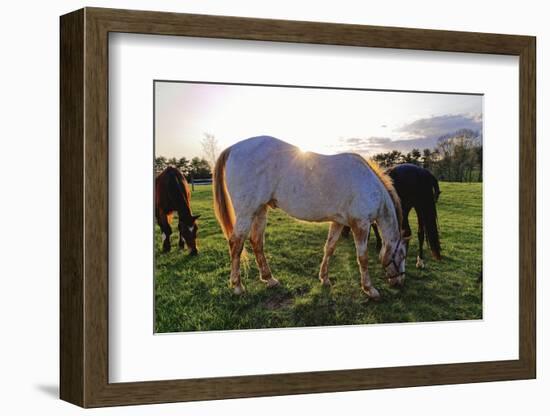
<point>84,207</point>
<point>72,214</point>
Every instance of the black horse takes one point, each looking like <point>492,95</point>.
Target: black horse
<point>417,188</point>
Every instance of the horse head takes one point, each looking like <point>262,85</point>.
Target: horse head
<point>188,231</point>
<point>393,258</point>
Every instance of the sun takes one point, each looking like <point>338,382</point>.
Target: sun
<point>310,146</point>
<point>314,144</point>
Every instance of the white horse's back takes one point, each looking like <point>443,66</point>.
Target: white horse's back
<point>306,185</point>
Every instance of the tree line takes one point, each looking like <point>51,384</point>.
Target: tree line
<point>457,157</point>
<point>196,168</point>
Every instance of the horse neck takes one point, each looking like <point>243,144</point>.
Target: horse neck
<point>180,203</point>
<point>388,226</point>
<point>184,212</point>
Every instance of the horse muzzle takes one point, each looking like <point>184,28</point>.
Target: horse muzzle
<point>397,281</point>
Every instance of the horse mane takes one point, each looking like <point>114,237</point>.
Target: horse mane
<point>388,184</point>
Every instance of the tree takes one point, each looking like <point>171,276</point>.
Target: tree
<point>413,157</point>
<point>427,158</point>
<point>445,149</point>
<point>457,157</point>
<point>389,159</point>
<point>479,159</point>
<point>160,164</point>
<point>183,165</point>
<point>210,149</point>
<point>199,169</point>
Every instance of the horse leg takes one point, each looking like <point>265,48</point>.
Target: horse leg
<point>257,242</point>
<point>236,245</point>
<point>406,226</point>
<point>333,236</point>
<point>420,257</point>
<point>166,230</point>
<point>378,238</point>
<point>361,237</point>
<point>181,241</point>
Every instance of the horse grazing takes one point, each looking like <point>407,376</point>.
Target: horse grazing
<point>419,189</point>
<point>344,189</point>
<point>172,194</point>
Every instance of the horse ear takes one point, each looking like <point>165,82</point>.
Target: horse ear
<point>195,217</point>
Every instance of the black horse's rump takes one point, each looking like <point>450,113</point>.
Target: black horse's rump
<point>172,194</point>
<point>419,189</point>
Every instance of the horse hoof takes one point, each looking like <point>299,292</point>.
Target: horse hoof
<point>272,282</point>
<point>372,293</point>
<point>238,290</point>
<point>326,283</point>
<point>193,253</point>
<point>397,281</point>
<point>419,263</point>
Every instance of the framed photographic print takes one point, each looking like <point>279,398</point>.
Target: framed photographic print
<point>255,207</point>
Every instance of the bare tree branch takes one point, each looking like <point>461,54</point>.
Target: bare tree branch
<point>210,148</point>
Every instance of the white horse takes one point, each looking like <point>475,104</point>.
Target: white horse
<point>345,189</point>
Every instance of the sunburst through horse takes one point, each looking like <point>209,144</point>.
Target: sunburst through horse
<point>342,189</point>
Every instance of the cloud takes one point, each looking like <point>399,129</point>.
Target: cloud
<point>353,140</point>
<point>420,134</point>
<point>364,144</point>
<point>364,141</point>
<point>437,126</point>
<point>409,144</point>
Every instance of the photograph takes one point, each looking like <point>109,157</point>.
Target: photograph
<point>292,206</point>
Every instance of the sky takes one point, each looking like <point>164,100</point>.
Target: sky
<point>325,121</point>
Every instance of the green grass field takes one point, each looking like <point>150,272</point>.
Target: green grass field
<point>192,293</point>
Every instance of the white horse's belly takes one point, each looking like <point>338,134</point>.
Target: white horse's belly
<point>309,204</point>
<point>304,213</point>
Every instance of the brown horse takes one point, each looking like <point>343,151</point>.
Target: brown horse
<point>172,194</point>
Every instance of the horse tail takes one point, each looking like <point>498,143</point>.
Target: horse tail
<point>223,206</point>
<point>428,216</point>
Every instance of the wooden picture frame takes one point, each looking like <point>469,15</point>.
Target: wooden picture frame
<point>84,207</point>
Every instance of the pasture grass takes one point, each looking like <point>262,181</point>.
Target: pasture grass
<point>193,294</point>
